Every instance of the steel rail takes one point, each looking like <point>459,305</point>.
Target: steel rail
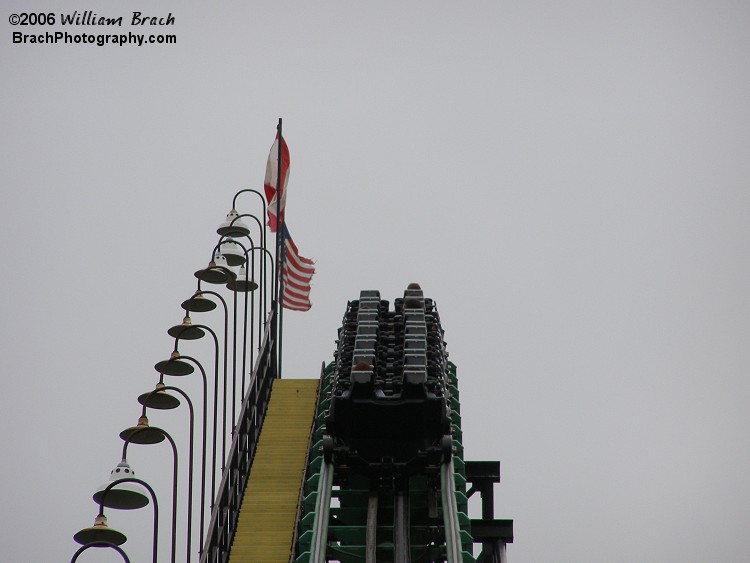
<point>401,547</point>
<point>371,535</point>
<point>450,513</point>
<point>322,511</point>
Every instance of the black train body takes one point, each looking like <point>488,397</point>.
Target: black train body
<point>389,410</point>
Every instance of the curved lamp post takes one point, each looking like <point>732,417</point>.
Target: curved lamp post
<point>142,433</point>
<point>261,318</point>
<point>159,399</point>
<point>110,545</point>
<point>241,284</point>
<point>198,303</point>
<point>245,285</point>
<point>227,227</point>
<point>186,369</point>
<point>233,218</point>
<point>263,202</point>
<point>128,497</point>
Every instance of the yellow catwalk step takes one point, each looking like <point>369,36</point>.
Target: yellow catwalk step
<point>265,527</point>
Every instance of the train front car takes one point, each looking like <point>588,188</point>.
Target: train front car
<point>389,415</point>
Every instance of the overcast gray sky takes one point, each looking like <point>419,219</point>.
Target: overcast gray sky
<point>568,180</point>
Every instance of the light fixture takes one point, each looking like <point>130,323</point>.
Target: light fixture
<point>100,533</point>
<point>174,366</point>
<point>217,270</point>
<point>198,304</point>
<point>232,252</point>
<point>186,330</point>
<point>159,399</point>
<point>123,496</point>
<point>142,433</point>
<point>233,226</point>
<point>242,283</point>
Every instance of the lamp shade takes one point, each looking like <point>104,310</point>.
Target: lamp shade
<point>100,533</point>
<point>217,271</point>
<point>242,283</point>
<point>232,252</point>
<point>198,304</point>
<point>142,433</point>
<point>123,496</point>
<point>186,330</point>
<point>159,399</point>
<point>174,366</point>
<point>233,226</point>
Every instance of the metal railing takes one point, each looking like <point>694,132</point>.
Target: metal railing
<point>236,472</point>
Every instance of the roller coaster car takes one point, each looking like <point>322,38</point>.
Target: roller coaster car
<point>388,406</point>
<point>396,429</point>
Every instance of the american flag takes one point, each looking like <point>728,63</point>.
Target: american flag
<point>297,271</point>
<point>297,275</point>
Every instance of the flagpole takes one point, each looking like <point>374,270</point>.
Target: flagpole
<point>280,247</point>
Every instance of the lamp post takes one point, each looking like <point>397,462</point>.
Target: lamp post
<point>127,498</point>
<point>110,545</point>
<point>244,284</point>
<point>250,286</point>
<point>208,275</point>
<point>158,399</point>
<point>263,202</point>
<point>234,226</point>
<point>142,433</point>
<point>239,285</point>
<point>176,356</point>
<point>200,304</point>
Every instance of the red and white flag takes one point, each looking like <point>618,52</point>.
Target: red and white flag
<point>270,183</point>
<point>297,271</point>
